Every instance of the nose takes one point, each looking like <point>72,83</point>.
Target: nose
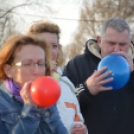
<point>116,48</point>
<point>35,69</point>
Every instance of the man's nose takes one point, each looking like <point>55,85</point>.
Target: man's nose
<point>116,48</point>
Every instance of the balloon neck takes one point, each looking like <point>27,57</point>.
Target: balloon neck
<point>55,75</point>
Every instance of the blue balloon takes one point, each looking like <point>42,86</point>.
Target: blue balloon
<point>120,70</point>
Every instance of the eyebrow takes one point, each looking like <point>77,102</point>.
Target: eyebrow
<point>25,60</point>
<point>113,42</point>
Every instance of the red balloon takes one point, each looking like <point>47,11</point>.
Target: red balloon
<point>45,91</point>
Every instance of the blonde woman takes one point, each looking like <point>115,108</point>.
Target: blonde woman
<point>67,105</point>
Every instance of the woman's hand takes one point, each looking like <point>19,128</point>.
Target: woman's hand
<point>79,129</point>
<point>25,94</point>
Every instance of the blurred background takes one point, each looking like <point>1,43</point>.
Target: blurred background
<point>79,20</point>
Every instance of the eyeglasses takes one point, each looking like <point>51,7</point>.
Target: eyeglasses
<point>31,64</point>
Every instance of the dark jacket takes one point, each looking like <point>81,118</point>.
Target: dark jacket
<point>19,118</point>
<point>109,112</point>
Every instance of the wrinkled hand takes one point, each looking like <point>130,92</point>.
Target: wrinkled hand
<point>96,81</point>
<point>128,58</point>
<point>25,94</point>
<point>79,129</point>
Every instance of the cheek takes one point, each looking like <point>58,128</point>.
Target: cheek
<point>125,48</point>
<point>22,76</point>
<point>105,47</point>
<point>30,75</point>
<point>109,49</point>
<point>18,76</point>
<point>54,54</point>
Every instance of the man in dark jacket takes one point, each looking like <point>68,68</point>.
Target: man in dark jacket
<point>105,111</point>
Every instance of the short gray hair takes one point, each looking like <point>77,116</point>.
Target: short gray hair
<point>116,23</point>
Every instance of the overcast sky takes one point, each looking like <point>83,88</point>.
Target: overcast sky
<point>65,14</point>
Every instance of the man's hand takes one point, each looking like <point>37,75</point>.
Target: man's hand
<point>128,58</point>
<point>96,81</point>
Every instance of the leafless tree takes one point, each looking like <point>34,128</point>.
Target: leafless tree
<point>10,14</point>
<point>91,18</point>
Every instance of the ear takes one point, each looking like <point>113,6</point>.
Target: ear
<point>8,70</point>
<point>99,40</point>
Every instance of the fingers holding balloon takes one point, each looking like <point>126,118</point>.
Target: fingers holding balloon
<point>104,75</point>
<point>95,85</point>
<point>105,81</point>
<point>25,93</point>
<point>128,58</point>
<point>113,72</point>
<point>120,71</point>
<point>99,72</point>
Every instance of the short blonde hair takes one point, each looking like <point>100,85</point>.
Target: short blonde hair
<point>47,26</point>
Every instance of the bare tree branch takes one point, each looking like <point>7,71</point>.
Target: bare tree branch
<point>8,11</point>
<point>9,16</point>
<point>92,18</point>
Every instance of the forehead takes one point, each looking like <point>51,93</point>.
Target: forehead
<point>29,51</point>
<point>115,36</point>
<point>49,37</point>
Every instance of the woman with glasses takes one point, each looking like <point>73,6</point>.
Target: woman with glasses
<point>67,104</point>
<point>22,60</point>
